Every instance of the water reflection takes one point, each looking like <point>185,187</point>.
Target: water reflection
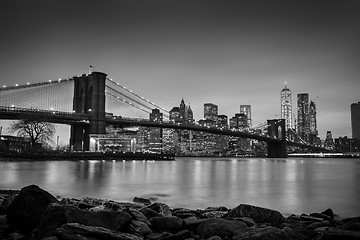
<point>288,185</point>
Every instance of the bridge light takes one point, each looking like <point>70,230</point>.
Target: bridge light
<point>28,83</point>
<point>89,109</point>
<point>4,86</point>
<point>16,85</point>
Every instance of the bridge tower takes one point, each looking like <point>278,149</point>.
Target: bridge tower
<point>277,130</point>
<point>89,97</point>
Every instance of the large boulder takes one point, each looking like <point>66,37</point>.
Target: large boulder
<point>258,214</point>
<point>167,223</point>
<point>220,227</point>
<point>268,233</point>
<point>79,231</point>
<point>161,208</point>
<point>25,212</point>
<point>106,219</point>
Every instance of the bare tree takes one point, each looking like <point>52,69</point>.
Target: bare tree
<point>38,132</point>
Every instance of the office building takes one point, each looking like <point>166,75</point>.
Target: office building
<point>286,107</point>
<point>246,110</point>
<point>313,135</point>
<point>155,137</point>
<point>329,141</point>
<point>355,120</point>
<point>210,111</point>
<point>303,123</point>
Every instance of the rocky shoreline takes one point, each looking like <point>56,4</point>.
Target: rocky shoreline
<point>34,213</point>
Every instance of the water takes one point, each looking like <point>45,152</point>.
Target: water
<point>288,185</point>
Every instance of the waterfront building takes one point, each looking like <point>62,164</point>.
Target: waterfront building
<point>313,135</point>
<point>210,111</point>
<point>286,107</point>
<point>116,140</point>
<point>329,141</point>
<point>355,120</point>
<point>14,144</point>
<point>156,134</point>
<point>347,145</point>
<point>169,140</point>
<point>246,110</point>
<point>303,128</point>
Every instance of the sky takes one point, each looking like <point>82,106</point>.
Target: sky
<point>229,53</point>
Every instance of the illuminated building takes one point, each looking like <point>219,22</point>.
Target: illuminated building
<point>155,141</point>
<point>246,110</point>
<point>286,107</point>
<point>174,114</point>
<point>355,120</point>
<point>313,135</point>
<point>210,111</point>
<point>329,141</point>
<point>303,128</point>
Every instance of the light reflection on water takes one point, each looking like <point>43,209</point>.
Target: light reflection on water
<point>288,185</point>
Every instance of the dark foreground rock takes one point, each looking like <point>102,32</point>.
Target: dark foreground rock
<point>34,214</point>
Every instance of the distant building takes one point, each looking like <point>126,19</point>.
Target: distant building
<point>246,110</point>
<point>210,111</point>
<point>313,135</point>
<point>14,144</point>
<point>286,107</point>
<point>174,114</point>
<point>303,123</point>
<point>156,134</point>
<point>329,141</point>
<point>222,122</point>
<point>347,145</point>
<point>355,120</point>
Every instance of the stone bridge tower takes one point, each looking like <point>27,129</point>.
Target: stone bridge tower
<point>277,130</point>
<point>89,98</point>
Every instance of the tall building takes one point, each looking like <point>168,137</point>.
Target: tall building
<point>210,111</point>
<point>313,135</point>
<point>189,115</point>
<point>174,114</point>
<point>329,141</point>
<point>182,111</point>
<point>355,120</point>
<point>303,123</point>
<point>156,134</point>
<point>246,110</point>
<point>286,107</point>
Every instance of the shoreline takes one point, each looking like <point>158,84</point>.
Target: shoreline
<point>33,213</point>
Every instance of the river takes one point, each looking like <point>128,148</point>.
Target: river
<point>292,185</point>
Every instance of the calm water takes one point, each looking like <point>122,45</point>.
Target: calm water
<point>290,186</point>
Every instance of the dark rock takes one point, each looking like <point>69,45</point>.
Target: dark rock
<point>214,214</point>
<point>85,206</point>
<point>248,221</point>
<point>137,215</point>
<point>139,228</point>
<point>16,236</point>
<point>161,208</point>
<point>167,223</point>
<point>335,233</point>
<point>308,218</point>
<point>320,215</point>
<point>158,236</point>
<point>354,226</point>
<point>329,212</point>
<point>106,219</point>
<point>148,213</point>
<point>192,221</point>
<point>294,235</point>
<point>214,238</point>
<point>268,233</point>
<point>78,231</point>
<point>220,227</point>
<point>211,209</point>
<point>184,213</point>
<point>25,211</point>
<point>53,217</point>
<point>320,224</point>
<point>258,214</point>
<point>5,202</point>
<point>182,235</point>
<point>144,201</point>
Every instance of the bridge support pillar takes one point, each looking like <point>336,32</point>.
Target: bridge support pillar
<point>276,130</point>
<point>89,97</point>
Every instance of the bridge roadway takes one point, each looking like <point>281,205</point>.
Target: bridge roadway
<point>77,118</point>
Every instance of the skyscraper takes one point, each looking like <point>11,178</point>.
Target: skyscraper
<point>210,111</point>
<point>303,116</point>
<point>286,107</point>
<point>246,110</point>
<point>313,136</point>
<point>355,120</point>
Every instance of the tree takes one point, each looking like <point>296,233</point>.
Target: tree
<point>38,132</point>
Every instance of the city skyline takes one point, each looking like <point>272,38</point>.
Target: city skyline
<point>228,54</point>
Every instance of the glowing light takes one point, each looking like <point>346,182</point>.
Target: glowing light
<point>28,83</point>
<point>16,85</point>
<point>4,86</point>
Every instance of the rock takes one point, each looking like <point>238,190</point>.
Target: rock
<point>308,218</point>
<point>148,213</point>
<point>214,238</point>
<point>192,221</point>
<point>182,235</point>
<point>25,212</point>
<point>214,214</point>
<point>268,233</point>
<point>320,215</point>
<point>320,224</point>
<point>16,236</point>
<point>79,231</point>
<point>105,219</point>
<point>161,208</point>
<point>139,228</point>
<point>329,212</point>
<point>184,213</point>
<point>335,233</point>
<point>258,214</point>
<point>144,201</point>
<point>5,202</point>
<point>248,221</point>
<point>53,217</point>
<point>220,227</point>
<point>355,226</point>
<point>159,236</point>
<point>137,215</point>
<point>211,209</point>
<point>167,223</point>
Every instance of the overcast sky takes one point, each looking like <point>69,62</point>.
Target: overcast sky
<point>224,52</point>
